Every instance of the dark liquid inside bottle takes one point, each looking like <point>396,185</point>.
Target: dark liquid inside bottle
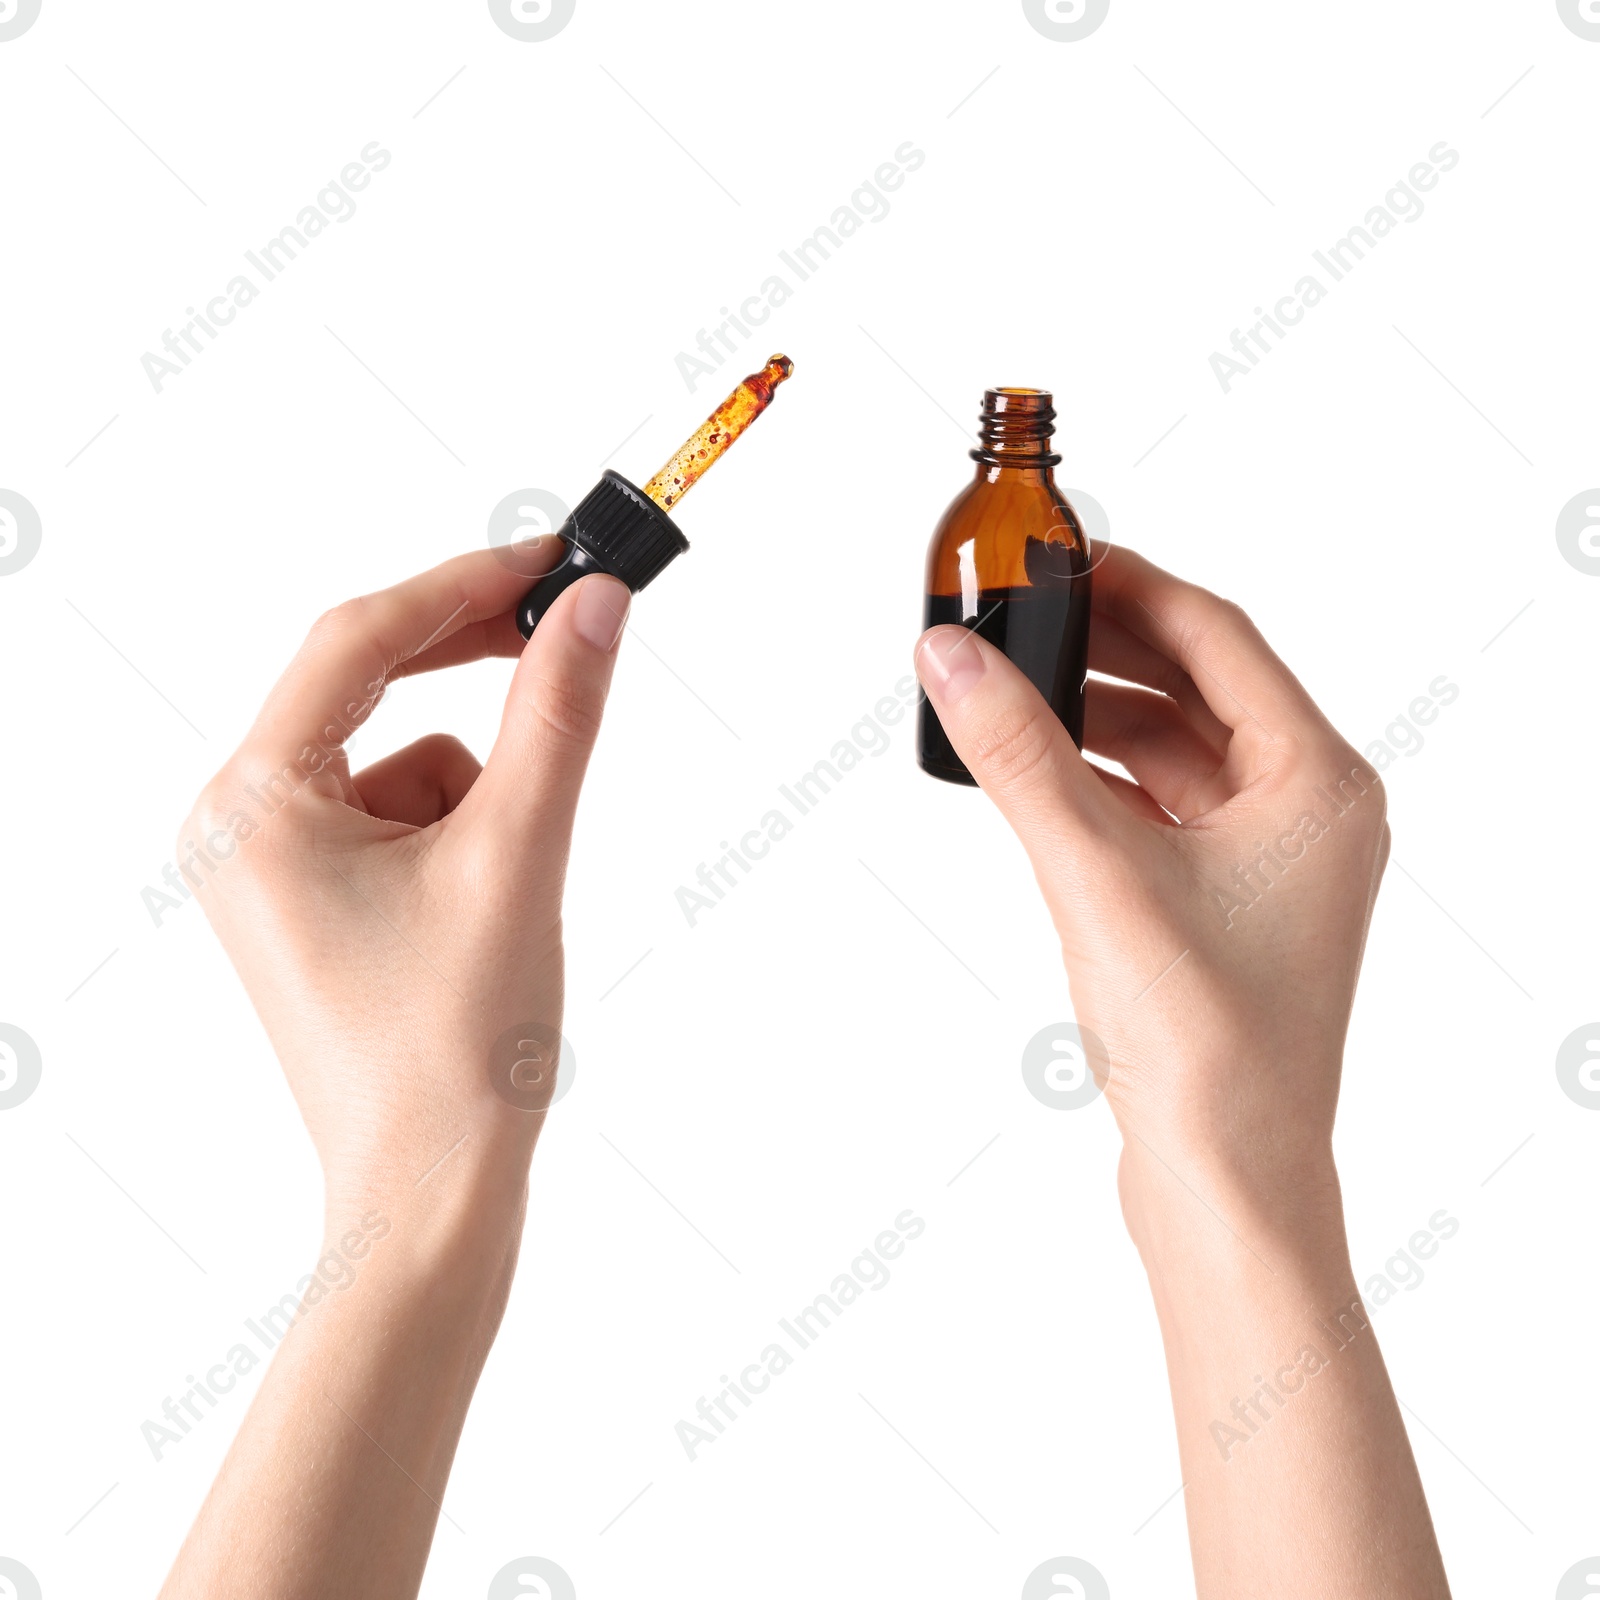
<point>1010,560</point>
<point>1043,628</point>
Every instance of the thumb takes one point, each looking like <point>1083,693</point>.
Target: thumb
<point>1014,745</point>
<point>528,790</point>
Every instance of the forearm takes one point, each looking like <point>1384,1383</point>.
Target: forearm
<point>335,1481</point>
<point>1298,1475</point>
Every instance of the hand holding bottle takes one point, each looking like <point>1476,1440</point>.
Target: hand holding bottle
<point>1212,913</point>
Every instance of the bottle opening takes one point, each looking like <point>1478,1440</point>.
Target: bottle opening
<point>1014,428</point>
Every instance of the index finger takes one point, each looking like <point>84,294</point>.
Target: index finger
<point>352,652</point>
<point>1243,681</point>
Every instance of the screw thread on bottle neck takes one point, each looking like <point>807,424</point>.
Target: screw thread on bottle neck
<point>1015,427</point>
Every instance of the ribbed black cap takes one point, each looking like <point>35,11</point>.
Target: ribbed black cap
<point>629,535</point>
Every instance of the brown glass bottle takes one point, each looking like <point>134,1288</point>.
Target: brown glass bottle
<point>1011,559</point>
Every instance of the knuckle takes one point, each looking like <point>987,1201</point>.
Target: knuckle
<point>1348,764</point>
<point>444,749</point>
<point>1215,617</point>
<point>1379,792</point>
<point>1015,744</point>
<point>213,830</point>
<point>1347,780</point>
<point>1325,756</point>
<point>453,766</point>
<point>568,711</point>
<point>342,620</point>
<point>1196,594</point>
<point>211,809</point>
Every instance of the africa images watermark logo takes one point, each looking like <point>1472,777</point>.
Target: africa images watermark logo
<point>335,202</point>
<point>1403,203</point>
<point>520,524</point>
<point>1065,1066</point>
<point>1330,1338</point>
<point>1577,532</point>
<point>1580,1582</point>
<point>870,736</point>
<point>1582,16</point>
<point>1065,1578</point>
<point>1065,21</point>
<point>21,1066</point>
<point>271,792</point>
<point>16,1579</point>
<point>1577,1066</point>
<point>869,202</point>
<point>532,21</point>
<point>869,1271</point>
<point>531,1578</point>
<point>1252,880</point>
<point>531,1065</point>
<point>335,1272</point>
<point>16,17</point>
<point>21,532</point>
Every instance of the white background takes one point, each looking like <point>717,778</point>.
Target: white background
<point>1381,493</point>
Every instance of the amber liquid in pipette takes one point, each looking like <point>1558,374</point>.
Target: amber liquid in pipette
<point>701,450</point>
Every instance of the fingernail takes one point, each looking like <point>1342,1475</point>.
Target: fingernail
<point>949,662</point>
<point>601,610</point>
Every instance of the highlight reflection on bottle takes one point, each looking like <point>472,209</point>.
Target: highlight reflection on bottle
<point>1011,559</point>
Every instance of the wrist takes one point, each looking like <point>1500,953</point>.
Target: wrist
<point>452,1232</point>
<point>1210,1202</point>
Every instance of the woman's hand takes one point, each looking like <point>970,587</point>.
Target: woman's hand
<point>393,925</point>
<point>399,931</point>
<point>1212,915</point>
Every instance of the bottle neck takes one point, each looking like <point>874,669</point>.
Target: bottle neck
<point>1014,430</point>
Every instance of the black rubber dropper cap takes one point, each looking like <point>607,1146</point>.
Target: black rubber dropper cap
<point>615,528</point>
